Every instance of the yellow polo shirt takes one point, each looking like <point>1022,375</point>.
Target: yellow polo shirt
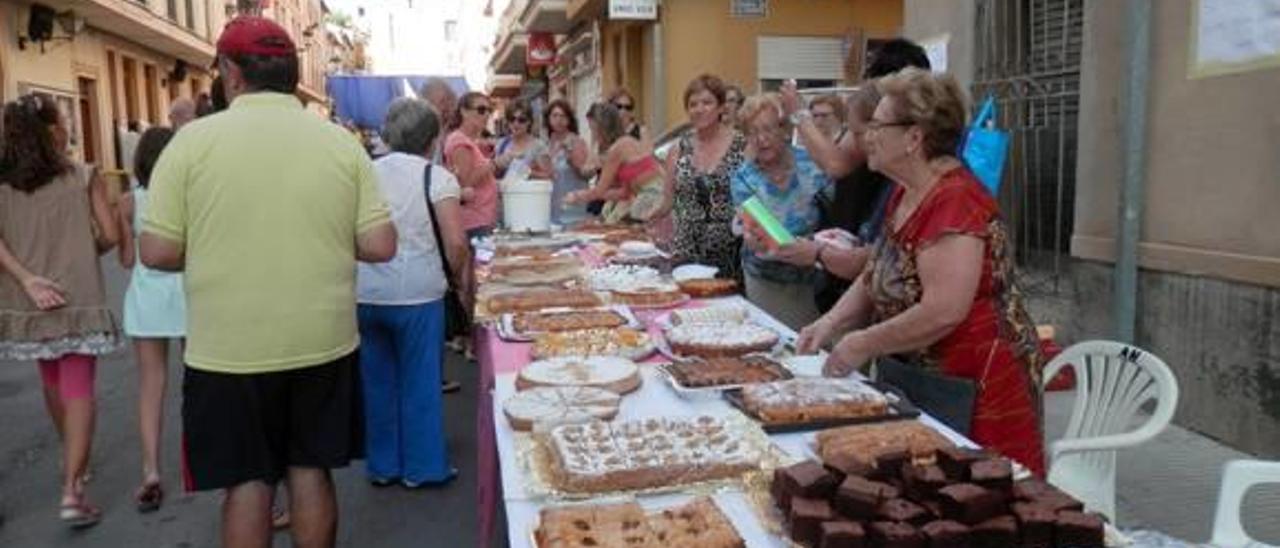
<point>267,200</point>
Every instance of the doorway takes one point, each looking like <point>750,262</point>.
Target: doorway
<point>87,89</point>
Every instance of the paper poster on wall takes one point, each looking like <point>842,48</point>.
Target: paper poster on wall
<point>936,49</point>
<point>1230,36</point>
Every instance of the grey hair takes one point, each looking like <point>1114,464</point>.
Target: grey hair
<point>411,126</point>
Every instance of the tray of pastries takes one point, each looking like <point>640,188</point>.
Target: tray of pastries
<point>539,299</point>
<point>956,497</point>
<point>537,272</point>
<point>554,405</point>
<point>652,296</point>
<point>815,403</point>
<point>619,277</point>
<point>623,342</point>
<point>618,375</point>
<point>710,376</point>
<point>601,457</point>
<point>699,523</point>
<point>525,326</point>
<point>707,288</point>
<point>861,446</point>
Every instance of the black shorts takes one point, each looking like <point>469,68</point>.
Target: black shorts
<point>242,428</point>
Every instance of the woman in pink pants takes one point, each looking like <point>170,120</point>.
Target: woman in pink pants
<point>55,220</point>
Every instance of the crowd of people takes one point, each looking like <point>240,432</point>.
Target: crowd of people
<point>314,290</point>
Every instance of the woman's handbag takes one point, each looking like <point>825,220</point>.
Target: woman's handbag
<point>948,398</point>
<point>457,319</point>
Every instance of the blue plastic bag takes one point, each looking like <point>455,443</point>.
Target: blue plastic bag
<point>985,148</point>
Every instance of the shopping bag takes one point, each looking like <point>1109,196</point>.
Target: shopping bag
<point>985,148</point>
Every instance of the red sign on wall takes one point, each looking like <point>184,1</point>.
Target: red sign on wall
<point>541,49</point>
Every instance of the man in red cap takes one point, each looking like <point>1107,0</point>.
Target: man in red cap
<point>267,208</point>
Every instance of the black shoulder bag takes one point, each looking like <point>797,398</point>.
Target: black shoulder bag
<point>457,317</point>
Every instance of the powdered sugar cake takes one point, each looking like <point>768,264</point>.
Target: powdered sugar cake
<point>618,375</point>
<point>560,405</point>
<point>601,457</point>
<point>714,340</point>
<point>812,399</point>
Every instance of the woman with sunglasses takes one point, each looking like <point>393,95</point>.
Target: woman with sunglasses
<point>472,167</point>
<point>570,160</point>
<point>622,100</point>
<point>522,145</point>
<point>631,182</point>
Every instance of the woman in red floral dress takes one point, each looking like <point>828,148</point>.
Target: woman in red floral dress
<point>939,289</point>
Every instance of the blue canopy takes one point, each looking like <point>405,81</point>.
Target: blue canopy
<point>364,99</point>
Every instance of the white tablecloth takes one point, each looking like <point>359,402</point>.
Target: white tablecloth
<point>654,398</point>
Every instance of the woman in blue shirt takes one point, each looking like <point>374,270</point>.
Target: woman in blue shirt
<point>787,181</point>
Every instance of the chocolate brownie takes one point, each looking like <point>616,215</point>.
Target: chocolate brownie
<point>969,504</point>
<point>805,479</point>
<point>1059,502</point>
<point>842,534</point>
<point>1078,529</point>
<point>903,510</point>
<point>921,482</point>
<point>889,463</point>
<point>858,498</point>
<point>945,534</point>
<point>994,474</point>
<point>955,461</point>
<point>848,464</point>
<point>998,532</point>
<point>891,534</point>
<point>934,507</point>
<point>1035,525</point>
<point>806,518</point>
<point>1032,488</point>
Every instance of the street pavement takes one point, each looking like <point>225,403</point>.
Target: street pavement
<point>1169,484</point>
<point>30,464</point>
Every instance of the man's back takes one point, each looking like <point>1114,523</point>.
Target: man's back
<point>268,200</point>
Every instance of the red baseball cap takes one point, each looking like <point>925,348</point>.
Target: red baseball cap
<point>248,35</point>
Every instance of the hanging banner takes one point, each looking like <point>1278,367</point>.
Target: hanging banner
<point>541,50</point>
<point>641,10</point>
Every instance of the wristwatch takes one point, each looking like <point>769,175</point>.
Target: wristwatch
<point>800,116</point>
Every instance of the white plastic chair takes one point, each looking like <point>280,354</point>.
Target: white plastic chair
<point>1237,477</point>
<point>1113,382</point>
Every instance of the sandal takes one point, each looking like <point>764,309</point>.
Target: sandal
<point>149,497</point>
<point>79,515</point>
<point>279,518</point>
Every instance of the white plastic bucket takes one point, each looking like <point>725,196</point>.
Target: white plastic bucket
<point>526,205</point>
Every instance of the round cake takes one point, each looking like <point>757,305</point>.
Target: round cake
<point>618,375</point>
<point>560,405</point>
<point>716,340</point>
<point>662,295</point>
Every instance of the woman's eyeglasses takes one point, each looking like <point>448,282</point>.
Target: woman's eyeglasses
<point>482,110</point>
<point>875,125</point>
<point>624,106</point>
<point>519,120</point>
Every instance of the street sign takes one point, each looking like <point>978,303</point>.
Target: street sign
<point>641,10</point>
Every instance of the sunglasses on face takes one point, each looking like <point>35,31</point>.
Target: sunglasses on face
<point>519,120</point>
<point>482,110</point>
<point>624,106</point>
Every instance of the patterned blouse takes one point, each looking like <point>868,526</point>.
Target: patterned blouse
<point>795,206</point>
<point>704,210</point>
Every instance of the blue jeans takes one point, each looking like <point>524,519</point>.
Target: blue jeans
<point>401,353</point>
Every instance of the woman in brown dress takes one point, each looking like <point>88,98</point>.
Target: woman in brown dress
<point>54,222</point>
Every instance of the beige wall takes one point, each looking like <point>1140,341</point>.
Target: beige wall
<point>699,36</point>
<point>1212,162</point>
<point>926,19</point>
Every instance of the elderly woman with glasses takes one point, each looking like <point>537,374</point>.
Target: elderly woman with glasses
<point>786,180</point>
<point>402,307</point>
<point>522,146</point>
<point>938,292</point>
